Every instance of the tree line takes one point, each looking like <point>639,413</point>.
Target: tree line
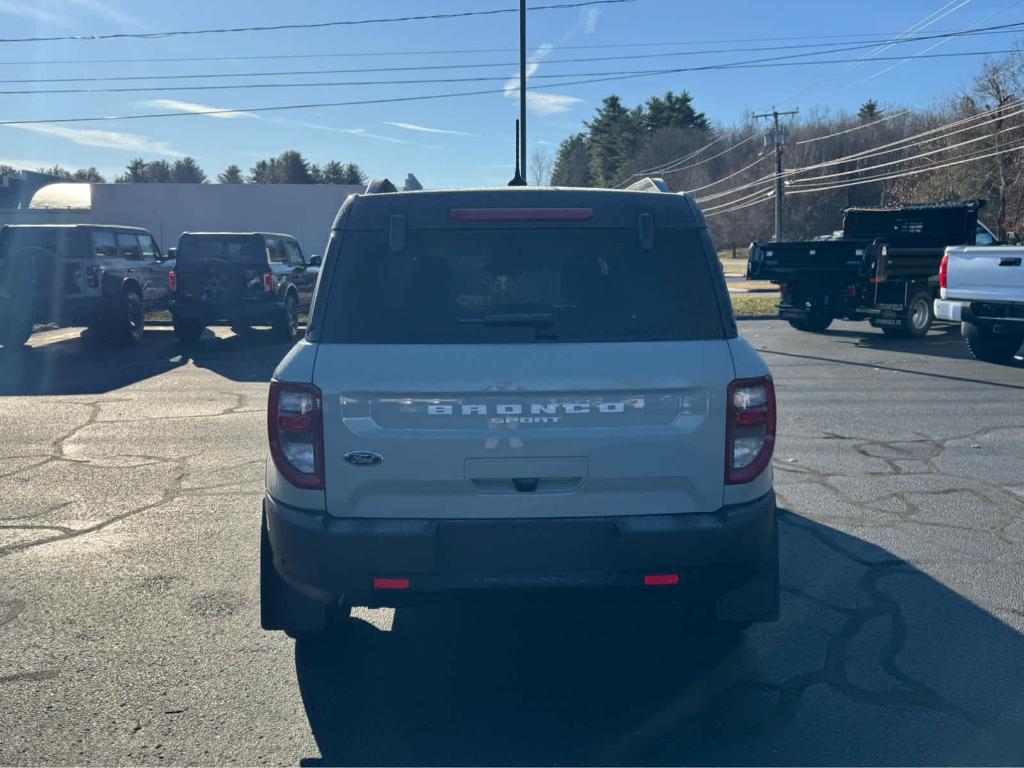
<point>289,167</point>
<point>969,146</point>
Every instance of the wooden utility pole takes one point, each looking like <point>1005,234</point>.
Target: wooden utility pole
<point>778,138</point>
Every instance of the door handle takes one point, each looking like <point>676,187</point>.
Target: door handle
<point>1010,261</point>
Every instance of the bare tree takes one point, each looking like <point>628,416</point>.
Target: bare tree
<point>540,166</point>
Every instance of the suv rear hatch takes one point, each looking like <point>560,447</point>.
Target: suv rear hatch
<point>42,265</point>
<point>219,268</point>
<point>535,368</point>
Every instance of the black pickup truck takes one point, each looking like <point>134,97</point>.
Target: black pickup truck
<point>883,267</point>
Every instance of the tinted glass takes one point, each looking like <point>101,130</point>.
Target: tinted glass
<point>520,285</point>
<point>149,251</point>
<point>104,245</point>
<point>275,248</point>
<point>294,253</point>
<point>129,245</point>
<point>234,249</point>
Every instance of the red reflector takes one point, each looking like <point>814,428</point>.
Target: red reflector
<point>661,579</point>
<point>522,214</point>
<point>295,423</point>
<point>874,280</point>
<point>751,418</point>
<point>390,583</point>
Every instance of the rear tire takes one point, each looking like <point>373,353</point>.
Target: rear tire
<point>126,321</point>
<point>816,322</point>
<point>917,320</point>
<point>286,324</point>
<point>188,329</point>
<point>988,346</point>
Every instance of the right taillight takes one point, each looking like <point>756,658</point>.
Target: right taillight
<point>750,429</point>
<point>944,271</point>
<point>295,426</point>
<point>172,280</point>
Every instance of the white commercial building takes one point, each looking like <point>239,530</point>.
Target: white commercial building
<point>305,211</point>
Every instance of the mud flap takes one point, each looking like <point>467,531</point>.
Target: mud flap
<point>758,599</point>
<point>281,607</point>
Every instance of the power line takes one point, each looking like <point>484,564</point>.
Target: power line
<point>607,75</point>
<point>931,135</point>
<point>315,25</point>
<point>474,65</point>
<point>1014,146</point>
<point>982,32</point>
<point>860,127</point>
<point>426,97</point>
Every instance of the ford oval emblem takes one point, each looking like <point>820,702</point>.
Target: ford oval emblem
<point>363,458</point>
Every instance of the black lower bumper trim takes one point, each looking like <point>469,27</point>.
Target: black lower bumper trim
<point>336,559</point>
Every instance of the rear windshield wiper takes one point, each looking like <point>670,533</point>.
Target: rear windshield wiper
<point>525,319</point>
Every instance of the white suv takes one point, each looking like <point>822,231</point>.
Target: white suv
<point>518,389</point>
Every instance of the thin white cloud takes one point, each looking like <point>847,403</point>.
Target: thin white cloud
<point>91,137</point>
<point>106,11</point>
<point>589,20</point>
<point>425,129</point>
<point>189,106</point>
<point>26,10</point>
<point>362,132</point>
<point>541,102</point>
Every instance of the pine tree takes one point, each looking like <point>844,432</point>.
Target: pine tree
<point>572,164</point>
<point>614,134</point>
<point>187,171</point>
<point>231,175</point>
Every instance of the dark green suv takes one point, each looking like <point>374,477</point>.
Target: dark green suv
<point>242,279</point>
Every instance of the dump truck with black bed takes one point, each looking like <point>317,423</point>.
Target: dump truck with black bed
<point>883,269</point>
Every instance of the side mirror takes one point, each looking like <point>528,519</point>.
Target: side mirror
<point>1013,238</point>
<point>314,260</point>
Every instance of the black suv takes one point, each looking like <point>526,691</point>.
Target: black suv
<point>105,277</point>
<point>243,279</point>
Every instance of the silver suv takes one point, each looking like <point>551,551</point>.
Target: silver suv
<point>519,389</point>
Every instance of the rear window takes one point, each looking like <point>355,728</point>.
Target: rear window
<point>487,286</point>
<point>234,249</point>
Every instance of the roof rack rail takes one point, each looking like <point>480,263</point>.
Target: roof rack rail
<point>648,184</point>
<point>380,186</point>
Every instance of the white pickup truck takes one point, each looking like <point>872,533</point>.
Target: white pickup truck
<point>983,290</point>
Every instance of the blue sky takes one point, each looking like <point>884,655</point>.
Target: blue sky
<point>447,142</point>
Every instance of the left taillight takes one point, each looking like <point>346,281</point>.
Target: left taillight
<point>295,427</point>
<point>944,271</point>
<point>750,429</point>
<point>172,280</point>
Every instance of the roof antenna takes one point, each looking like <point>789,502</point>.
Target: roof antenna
<point>520,177</point>
<point>517,180</point>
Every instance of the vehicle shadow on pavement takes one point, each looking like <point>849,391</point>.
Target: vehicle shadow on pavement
<point>75,363</point>
<point>873,661</point>
<point>943,341</point>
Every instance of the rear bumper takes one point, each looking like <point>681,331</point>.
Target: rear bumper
<point>952,311</point>
<point>998,315</point>
<point>260,312</point>
<point>77,310</point>
<point>332,560</point>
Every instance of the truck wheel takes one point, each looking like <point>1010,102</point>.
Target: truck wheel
<point>920,315</point>
<point>988,346</point>
<point>282,608</point>
<point>816,322</point>
<point>188,329</point>
<point>126,321</point>
<point>286,324</point>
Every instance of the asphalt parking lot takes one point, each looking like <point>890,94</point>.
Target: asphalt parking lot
<point>130,484</point>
